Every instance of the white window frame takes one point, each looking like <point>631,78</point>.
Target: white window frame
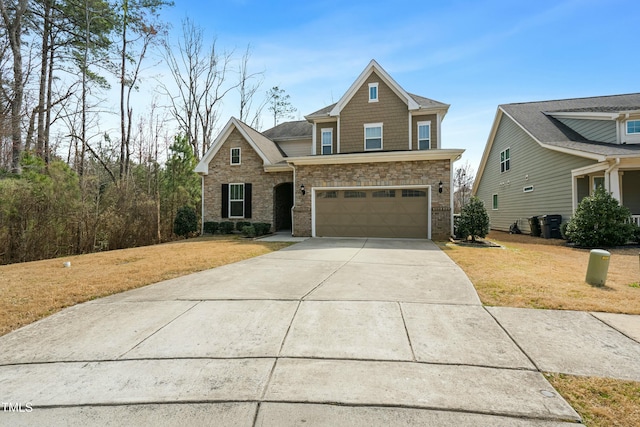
<point>424,123</point>
<point>372,126</point>
<point>322,144</point>
<point>495,201</point>
<point>239,156</point>
<point>231,200</point>
<point>626,128</point>
<point>377,92</point>
<point>593,179</point>
<point>507,160</point>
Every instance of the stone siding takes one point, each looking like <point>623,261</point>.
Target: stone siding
<point>377,174</point>
<point>251,170</point>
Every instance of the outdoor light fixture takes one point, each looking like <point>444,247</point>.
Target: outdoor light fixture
<point>440,187</point>
<point>302,190</point>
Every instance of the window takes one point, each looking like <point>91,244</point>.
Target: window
<point>384,193</point>
<point>633,126</point>
<point>327,141</point>
<point>495,202</point>
<point>355,195</point>
<point>505,161</point>
<point>373,92</point>
<point>598,181</point>
<point>236,200</point>
<point>373,136</point>
<point>424,135</point>
<point>327,195</point>
<point>235,156</point>
<point>414,193</point>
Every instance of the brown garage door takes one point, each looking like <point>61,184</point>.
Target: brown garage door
<point>372,213</point>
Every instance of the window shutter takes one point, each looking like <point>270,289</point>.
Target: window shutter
<point>247,200</point>
<point>225,201</point>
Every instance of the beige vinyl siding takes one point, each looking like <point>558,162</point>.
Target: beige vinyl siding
<point>295,148</point>
<point>390,110</point>
<point>549,172</point>
<point>594,130</point>
<point>326,125</point>
<point>434,130</point>
<point>631,191</point>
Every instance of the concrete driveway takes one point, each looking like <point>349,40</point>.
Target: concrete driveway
<point>355,332</point>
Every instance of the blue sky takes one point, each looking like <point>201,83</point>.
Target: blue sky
<point>473,55</point>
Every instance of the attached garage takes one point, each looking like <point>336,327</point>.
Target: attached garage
<point>372,212</point>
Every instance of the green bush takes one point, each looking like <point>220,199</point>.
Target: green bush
<point>599,220</point>
<point>211,227</point>
<point>248,231</point>
<point>262,228</point>
<point>474,220</point>
<point>186,221</point>
<point>242,224</point>
<point>636,234</point>
<point>563,230</point>
<point>226,227</point>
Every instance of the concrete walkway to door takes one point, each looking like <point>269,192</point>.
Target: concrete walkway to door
<point>332,332</point>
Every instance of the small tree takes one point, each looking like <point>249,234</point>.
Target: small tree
<point>474,220</point>
<point>186,221</point>
<point>279,104</point>
<point>600,221</point>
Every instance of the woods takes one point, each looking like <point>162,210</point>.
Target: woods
<point>80,171</point>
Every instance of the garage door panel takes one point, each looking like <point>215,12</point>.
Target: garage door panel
<point>372,213</point>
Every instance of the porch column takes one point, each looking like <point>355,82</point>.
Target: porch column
<point>612,182</point>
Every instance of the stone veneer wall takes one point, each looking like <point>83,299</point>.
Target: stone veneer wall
<point>251,170</point>
<point>377,174</point>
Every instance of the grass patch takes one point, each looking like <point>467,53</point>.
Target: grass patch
<point>545,273</point>
<point>30,291</point>
<point>601,402</point>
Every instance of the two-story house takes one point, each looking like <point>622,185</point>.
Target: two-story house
<point>370,165</point>
<point>545,157</point>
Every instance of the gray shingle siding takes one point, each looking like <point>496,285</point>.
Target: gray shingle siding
<point>593,130</point>
<point>549,172</point>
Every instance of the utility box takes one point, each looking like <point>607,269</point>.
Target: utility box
<point>598,267</point>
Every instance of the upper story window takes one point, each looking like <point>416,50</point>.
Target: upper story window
<point>373,136</point>
<point>235,156</point>
<point>327,141</point>
<point>373,92</point>
<point>424,135</point>
<point>633,126</point>
<point>505,161</point>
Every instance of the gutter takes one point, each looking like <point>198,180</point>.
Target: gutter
<point>294,197</point>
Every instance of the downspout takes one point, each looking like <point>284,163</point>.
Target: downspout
<point>201,205</point>
<point>607,174</point>
<point>294,197</point>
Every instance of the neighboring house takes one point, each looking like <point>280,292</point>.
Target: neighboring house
<point>545,157</point>
<point>370,165</point>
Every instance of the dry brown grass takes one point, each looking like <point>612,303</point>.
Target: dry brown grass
<point>601,402</point>
<point>32,290</point>
<point>541,273</point>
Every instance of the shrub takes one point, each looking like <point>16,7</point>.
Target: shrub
<point>248,231</point>
<point>474,220</point>
<point>563,230</point>
<point>226,227</point>
<point>262,228</point>
<point>636,234</point>
<point>599,220</point>
<point>241,224</point>
<point>186,221</point>
<point>211,227</point>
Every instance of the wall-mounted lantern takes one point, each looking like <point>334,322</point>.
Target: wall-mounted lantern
<point>302,190</point>
<point>440,187</point>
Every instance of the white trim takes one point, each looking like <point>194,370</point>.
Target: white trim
<point>423,123</point>
<point>583,115</point>
<point>371,187</point>
<point>322,145</point>
<point>239,156</point>
<point>374,126</point>
<point>410,129</point>
<point>626,127</point>
<point>438,133</point>
<point>235,200</point>
<point>377,98</point>
<point>201,205</point>
<point>377,157</point>
<point>338,136</point>
<point>314,140</point>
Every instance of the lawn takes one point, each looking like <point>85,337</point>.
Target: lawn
<point>532,272</point>
<point>33,290</point>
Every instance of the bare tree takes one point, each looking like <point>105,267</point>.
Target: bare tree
<point>200,75</point>
<point>463,178</point>
<point>248,86</point>
<point>279,104</point>
<point>12,16</point>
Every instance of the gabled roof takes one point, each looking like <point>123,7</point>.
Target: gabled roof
<point>263,146</point>
<point>538,120</point>
<point>414,102</point>
<point>299,129</point>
